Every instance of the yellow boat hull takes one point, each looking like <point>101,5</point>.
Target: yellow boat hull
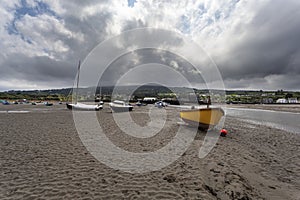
<point>203,117</point>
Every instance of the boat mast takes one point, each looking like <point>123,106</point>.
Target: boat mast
<point>208,102</point>
<point>100,91</point>
<point>78,72</point>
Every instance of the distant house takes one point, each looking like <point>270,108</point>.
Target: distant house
<point>292,100</point>
<point>149,99</point>
<point>281,101</point>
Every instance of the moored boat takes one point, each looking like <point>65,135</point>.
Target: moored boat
<point>203,117</point>
<point>81,106</point>
<point>4,102</point>
<point>48,104</point>
<point>120,106</point>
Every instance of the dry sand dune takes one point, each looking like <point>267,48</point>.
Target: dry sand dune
<point>42,157</point>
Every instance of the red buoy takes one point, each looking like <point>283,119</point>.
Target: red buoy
<point>223,132</point>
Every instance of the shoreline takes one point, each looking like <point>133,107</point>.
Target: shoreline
<point>295,108</point>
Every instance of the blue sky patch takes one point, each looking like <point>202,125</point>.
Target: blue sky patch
<point>201,9</point>
<point>40,8</point>
<point>185,25</point>
<point>218,15</point>
<point>131,3</point>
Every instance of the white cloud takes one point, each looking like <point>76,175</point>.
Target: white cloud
<point>43,35</point>
<point>174,64</point>
<point>56,6</point>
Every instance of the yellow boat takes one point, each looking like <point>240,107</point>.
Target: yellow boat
<point>203,117</point>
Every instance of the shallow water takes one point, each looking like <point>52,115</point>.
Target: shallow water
<point>286,121</point>
<point>14,111</point>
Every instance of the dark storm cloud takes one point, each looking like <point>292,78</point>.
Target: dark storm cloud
<point>41,69</point>
<point>120,54</point>
<point>270,46</point>
<point>93,30</point>
<point>151,57</point>
<point>91,26</point>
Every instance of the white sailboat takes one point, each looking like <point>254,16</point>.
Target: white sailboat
<point>81,106</point>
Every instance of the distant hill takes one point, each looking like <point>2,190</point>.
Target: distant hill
<point>151,90</point>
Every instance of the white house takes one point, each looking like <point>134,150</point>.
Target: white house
<point>149,99</point>
<point>292,100</point>
<point>281,101</point>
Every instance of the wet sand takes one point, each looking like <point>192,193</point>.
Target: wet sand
<point>42,157</point>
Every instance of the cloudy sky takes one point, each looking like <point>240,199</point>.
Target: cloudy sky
<point>254,43</point>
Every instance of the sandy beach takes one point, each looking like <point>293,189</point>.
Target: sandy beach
<point>42,157</point>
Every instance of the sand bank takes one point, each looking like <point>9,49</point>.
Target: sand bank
<point>42,157</point>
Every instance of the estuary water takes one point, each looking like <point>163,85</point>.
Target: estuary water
<point>286,121</point>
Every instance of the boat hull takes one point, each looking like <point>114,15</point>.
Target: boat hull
<point>84,107</point>
<point>203,118</point>
<point>121,109</point>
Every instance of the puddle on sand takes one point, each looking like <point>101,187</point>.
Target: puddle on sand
<point>14,111</point>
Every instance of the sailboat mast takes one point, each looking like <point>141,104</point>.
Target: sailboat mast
<point>100,92</point>
<point>78,72</point>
